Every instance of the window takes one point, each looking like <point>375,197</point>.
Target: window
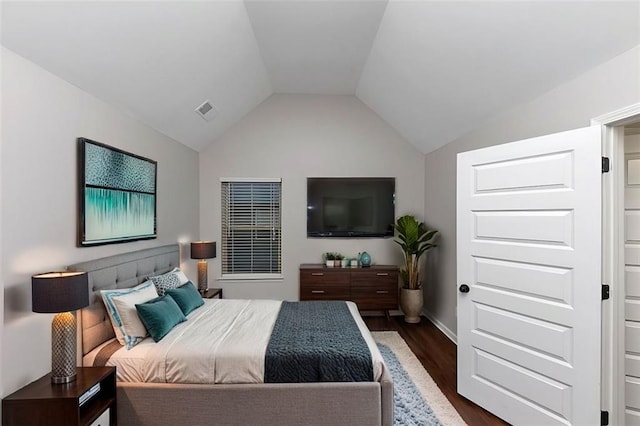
<point>251,234</point>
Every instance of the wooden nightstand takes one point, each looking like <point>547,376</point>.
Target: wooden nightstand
<point>44,403</point>
<point>210,293</point>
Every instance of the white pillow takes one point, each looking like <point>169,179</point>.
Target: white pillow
<point>181,276</point>
<point>126,307</point>
<point>120,304</point>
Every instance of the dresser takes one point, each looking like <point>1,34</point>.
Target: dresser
<point>373,289</point>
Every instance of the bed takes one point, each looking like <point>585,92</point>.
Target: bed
<point>154,403</point>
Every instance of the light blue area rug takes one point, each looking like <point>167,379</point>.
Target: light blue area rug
<point>417,399</point>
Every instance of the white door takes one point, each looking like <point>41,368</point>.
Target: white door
<point>528,242</point>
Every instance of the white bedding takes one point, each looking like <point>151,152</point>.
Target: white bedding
<point>224,341</point>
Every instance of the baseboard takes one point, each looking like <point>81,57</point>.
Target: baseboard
<point>450,334</point>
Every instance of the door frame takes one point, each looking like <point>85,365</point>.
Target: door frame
<point>613,342</point>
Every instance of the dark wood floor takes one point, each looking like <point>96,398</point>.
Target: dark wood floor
<point>438,356</point>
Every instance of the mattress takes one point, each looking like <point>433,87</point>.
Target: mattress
<point>224,341</point>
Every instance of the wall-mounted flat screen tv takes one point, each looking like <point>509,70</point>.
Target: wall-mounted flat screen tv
<point>350,206</point>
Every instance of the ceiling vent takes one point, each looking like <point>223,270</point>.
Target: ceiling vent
<point>206,111</point>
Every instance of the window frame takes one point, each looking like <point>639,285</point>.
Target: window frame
<point>276,276</point>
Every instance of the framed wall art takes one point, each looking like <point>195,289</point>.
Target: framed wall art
<point>117,195</point>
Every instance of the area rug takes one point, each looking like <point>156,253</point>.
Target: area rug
<point>417,399</point>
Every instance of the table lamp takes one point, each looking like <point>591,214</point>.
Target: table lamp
<point>203,250</point>
<point>60,293</point>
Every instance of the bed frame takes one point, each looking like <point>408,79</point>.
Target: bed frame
<point>362,403</point>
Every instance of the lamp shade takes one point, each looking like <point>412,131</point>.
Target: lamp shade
<point>203,250</point>
<point>55,292</point>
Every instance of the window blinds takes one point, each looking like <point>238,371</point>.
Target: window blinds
<point>251,234</point>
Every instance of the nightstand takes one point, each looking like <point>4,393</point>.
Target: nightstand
<point>90,400</point>
<point>210,293</point>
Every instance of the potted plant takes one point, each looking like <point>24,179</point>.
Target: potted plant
<point>414,238</point>
<point>330,259</point>
<point>339,258</point>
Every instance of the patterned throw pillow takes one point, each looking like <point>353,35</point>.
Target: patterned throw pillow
<point>166,281</point>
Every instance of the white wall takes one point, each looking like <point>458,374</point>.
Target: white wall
<point>607,87</point>
<point>43,117</point>
<point>296,136</point>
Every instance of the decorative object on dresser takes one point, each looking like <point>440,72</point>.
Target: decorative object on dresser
<point>333,259</point>
<point>60,293</point>
<point>415,240</point>
<point>372,289</point>
<point>364,259</point>
<point>88,401</point>
<point>329,259</point>
<point>117,195</point>
<point>203,250</point>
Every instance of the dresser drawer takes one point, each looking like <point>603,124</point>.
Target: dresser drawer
<point>324,292</point>
<point>368,278</point>
<point>375,296</point>
<point>323,277</point>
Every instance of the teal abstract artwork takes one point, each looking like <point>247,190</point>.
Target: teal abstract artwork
<point>119,195</point>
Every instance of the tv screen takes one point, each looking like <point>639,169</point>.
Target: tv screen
<point>350,207</point>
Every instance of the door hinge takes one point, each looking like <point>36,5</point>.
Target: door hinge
<point>605,165</point>
<point>604,418</point>
<point>605,292</point>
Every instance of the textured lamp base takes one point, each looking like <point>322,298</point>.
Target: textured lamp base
<point>202,276</point>
<point>63,348</point>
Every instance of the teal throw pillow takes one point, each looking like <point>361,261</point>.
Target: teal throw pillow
<point>187,297</point>
<point>160,315</point>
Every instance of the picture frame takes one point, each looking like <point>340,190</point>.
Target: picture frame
<point>116,195</point>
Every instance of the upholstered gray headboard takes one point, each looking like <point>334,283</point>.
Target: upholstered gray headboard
<point>119,271</point>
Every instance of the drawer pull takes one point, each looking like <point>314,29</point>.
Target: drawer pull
<point>318,274</point>
<point>382,292</point>
<point>317,291</point>
<point>382,274</point>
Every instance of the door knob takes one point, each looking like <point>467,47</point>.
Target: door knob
<point>464,288</point>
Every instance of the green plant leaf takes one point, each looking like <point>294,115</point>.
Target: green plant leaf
<point>414,239</point>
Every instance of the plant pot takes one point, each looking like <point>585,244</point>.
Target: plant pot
<point>411,303</point>
<point>330,263</point>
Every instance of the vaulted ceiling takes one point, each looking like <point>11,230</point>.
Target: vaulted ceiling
<point>433,70</point>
